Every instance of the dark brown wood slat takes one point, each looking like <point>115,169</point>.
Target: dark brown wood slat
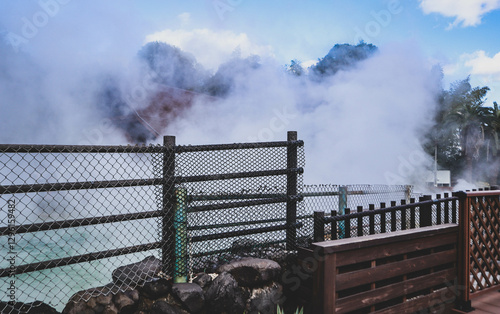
<point>432,232</point>
<point>472,271</point>
<point>369,275</point>
<point>368,298</point>
<point>419,303</point>
<point>372,253</point>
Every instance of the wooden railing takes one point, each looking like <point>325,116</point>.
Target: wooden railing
<point>400,272</point>
<point>480,244</point>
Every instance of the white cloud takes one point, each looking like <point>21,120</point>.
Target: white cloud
<point>483,65</point>
<point>465,12</point>
<point>211,48</point>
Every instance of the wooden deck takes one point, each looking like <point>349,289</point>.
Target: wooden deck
<point>487,303</point>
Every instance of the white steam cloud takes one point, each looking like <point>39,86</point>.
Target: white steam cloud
<point>359,126</point>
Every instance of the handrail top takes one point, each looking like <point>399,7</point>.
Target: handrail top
<point>477,193</point>
<point>336,246</point>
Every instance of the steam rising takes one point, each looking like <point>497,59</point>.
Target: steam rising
<point>360,125</point>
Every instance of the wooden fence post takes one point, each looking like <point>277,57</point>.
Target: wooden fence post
<point>319,226</point>
<point>291,191</point>
<point>425,212</point>
<point>168,192</point>
<point>464,303</point>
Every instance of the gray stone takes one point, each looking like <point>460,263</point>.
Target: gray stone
<point>36,307</point>
<point>123,303</point>
<point>203,280</point>
<point>264,300</point>
<point>252,272</point>
<point>191,296</point>
<point>224,295</point>
<point>137,273</point>
<point>97,300</point>
<point>157,288</point>
<point>162,307</point>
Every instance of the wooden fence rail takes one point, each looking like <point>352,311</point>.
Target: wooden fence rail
<point>400,272</point>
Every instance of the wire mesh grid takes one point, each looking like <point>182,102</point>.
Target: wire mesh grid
<point>342,198</point>
<point>62,206</point>
<point>236,217</point>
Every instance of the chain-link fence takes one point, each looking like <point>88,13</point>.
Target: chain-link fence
<point>71,215</point>
<point>394,216</point>
<point>240,200</point>
<point>80,217</point>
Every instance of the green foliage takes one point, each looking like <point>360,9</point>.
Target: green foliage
<point>465,131</point>
<point>297,311</point>
<point>342,57</point>
<point>171,66</point>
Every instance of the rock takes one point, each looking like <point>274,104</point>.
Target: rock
<point>137,273</point>
<point>91,300</point>
<point>224,295</point>
<point>123,303</point>
<point>109,309</point>
<point>191,296</point>
<point>162,307</point>
<point>264,300</point>
<point>252,272</point>
<point>36,307</point>
<point>157,288</point>
<point>203,280</point>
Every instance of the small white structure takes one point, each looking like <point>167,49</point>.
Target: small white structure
<point>439,178</point>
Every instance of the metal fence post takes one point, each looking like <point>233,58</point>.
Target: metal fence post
<point>291,191</point>
<point>180,226</point>
<point>169,202</point>
<point>342,207</point>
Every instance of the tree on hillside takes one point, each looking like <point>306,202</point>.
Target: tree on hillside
<point>172,66</point>
<point>221,83</point>
<point>342,57</point>
<point>295,68</point>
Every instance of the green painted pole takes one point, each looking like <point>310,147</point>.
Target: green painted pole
<point>180,226</point>
<point>342,207</point>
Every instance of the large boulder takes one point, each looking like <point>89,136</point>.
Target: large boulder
<point>251,272</point>
<point>224,295</point>
<point>191,296</point>
<point>137,273</point>
<point>265,299</point>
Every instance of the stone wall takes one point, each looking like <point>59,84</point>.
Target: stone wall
<point>247,285</point>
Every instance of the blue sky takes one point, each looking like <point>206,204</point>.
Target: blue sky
<point>59,52</point>
<point>461,36</point>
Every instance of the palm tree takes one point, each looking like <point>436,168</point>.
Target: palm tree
<point>467,114</point>
<point>492,129</point>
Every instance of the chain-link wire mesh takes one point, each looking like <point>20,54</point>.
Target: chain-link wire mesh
<point>408,213</point>
<point>236,201</point>
<point>63,206</point>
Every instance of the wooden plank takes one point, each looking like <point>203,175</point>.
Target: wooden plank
<point>393,249</point>
<point>369,275</point>
<point>368,298</point>
<point>434,300</point>
<point>329,291</point>
<point>384,239</point>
